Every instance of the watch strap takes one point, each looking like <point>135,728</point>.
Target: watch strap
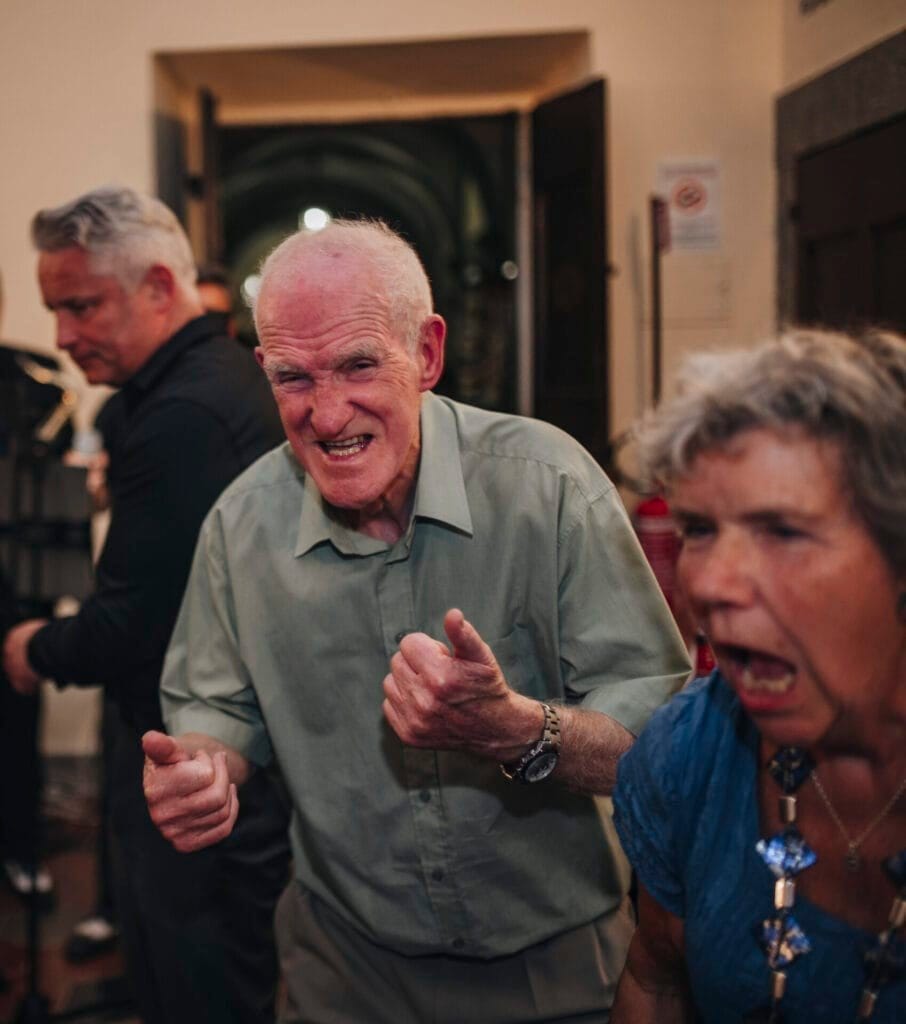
<point>548,743</point>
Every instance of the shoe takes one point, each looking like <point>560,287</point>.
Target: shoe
<point>29,882</point>
<point>91,937</point>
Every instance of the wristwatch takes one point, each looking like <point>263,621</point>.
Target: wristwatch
<point>541,758</point>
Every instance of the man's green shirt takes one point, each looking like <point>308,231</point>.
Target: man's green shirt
<point>286,633</point>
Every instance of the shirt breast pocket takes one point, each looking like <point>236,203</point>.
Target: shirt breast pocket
<point>518,659</point>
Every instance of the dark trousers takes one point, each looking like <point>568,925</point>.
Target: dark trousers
<point>335,975</point>
<point>20,774</point>
<point>20,761</point>
<point>197,928</point>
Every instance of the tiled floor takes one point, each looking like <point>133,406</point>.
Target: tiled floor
<point>70,808</point>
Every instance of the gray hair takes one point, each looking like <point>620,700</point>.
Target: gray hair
<point>124,232</point>
<point>847,390</point>
<point>401,277</point>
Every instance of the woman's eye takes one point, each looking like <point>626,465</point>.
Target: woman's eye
<point>783,531</point>
<point>693,529</point>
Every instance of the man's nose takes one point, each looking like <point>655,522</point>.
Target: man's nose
<point>67,334</point>
<point>330,410</point>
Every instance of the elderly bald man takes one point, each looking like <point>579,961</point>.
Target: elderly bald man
<point>486,561</point>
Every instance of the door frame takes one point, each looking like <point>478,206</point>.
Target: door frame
<point>866,91</point>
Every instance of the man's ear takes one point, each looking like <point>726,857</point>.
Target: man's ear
<point>430,351</point>
<point>161,285</point>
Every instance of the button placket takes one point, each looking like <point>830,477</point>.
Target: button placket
<point>431,829</point>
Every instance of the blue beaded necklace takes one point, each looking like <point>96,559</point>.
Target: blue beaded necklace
<point>781,938</point>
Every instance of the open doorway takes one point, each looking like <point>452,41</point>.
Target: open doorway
<point>488,154</point>
<point>446,184</point>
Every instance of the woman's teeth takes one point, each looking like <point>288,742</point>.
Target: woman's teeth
<point>763,671</point>
<point>773,684</point>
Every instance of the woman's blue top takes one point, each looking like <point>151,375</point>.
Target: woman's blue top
<point>686,809</point>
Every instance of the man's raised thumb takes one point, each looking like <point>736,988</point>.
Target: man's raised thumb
<point>465,640</point>
<point>162,749</point>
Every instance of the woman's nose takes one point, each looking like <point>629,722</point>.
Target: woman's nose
<point>719,573</point>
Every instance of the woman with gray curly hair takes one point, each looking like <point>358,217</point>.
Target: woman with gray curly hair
<point>764,808</point>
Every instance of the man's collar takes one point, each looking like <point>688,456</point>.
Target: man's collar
<point>440,491</point>
<point>191,333</point>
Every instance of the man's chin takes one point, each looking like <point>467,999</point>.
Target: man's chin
<point>100,375</point>
<point>345,501</point>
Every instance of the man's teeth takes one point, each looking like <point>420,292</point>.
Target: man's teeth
<point>774,684</point>
<point>349,446</point>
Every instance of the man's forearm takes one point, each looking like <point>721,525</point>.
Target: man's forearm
<point>592,744</point>
<point>456,698</point>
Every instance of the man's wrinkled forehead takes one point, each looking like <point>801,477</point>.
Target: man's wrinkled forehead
<point>319,289</point>
<point>297,267</point>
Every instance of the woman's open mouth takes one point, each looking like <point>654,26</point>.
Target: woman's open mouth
<point>757,671</point>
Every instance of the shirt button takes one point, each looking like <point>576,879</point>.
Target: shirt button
<point>437,875</point>
<point>399,636</point>
<point>459,943</point>
<point>425,796</point>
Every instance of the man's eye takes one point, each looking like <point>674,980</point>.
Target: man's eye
<point>292,381</point>
<point>362,365</point>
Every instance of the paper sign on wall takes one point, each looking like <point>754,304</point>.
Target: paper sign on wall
<point>691,189</point>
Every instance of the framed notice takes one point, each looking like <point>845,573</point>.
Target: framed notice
<point>691,189</point>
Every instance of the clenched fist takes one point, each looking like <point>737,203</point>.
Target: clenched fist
<point>190,796</point>
<point>455,698</point>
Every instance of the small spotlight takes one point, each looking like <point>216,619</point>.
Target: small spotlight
<point>314,219</point>
<point>250,288</point>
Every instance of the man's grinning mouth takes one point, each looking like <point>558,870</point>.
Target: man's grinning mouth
<point>348,446</point>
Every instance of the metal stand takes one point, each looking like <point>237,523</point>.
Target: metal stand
<point>30,468</point>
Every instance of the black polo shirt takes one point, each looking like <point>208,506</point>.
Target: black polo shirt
<point>191,419</point>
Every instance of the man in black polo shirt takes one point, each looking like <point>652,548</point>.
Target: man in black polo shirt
<point>117,272</point>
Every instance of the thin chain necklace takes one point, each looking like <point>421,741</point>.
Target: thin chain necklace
<point>786,855</point>
<point>852,859</point>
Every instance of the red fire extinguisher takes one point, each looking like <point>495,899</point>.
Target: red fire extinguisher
<point>657,534</point>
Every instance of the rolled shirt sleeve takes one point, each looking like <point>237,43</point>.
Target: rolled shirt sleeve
<point>620,650</point>
<point>206,686</point>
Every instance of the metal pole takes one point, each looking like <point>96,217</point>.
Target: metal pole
<point>656,212</point>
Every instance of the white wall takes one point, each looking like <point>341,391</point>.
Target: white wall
<point>834,32</point>
<point>690,78</point>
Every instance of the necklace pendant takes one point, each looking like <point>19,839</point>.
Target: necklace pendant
<point>853,860</point>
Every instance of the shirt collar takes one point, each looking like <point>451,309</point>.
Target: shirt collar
<point>440,491</point>
<point>191,333</point>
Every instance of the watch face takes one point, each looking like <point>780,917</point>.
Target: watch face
<point>541,766</point>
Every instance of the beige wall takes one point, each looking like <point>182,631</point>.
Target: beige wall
<point>690,78</point>
<point>78,87</point>
<point>686,78</point>
<point>833,32</point>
